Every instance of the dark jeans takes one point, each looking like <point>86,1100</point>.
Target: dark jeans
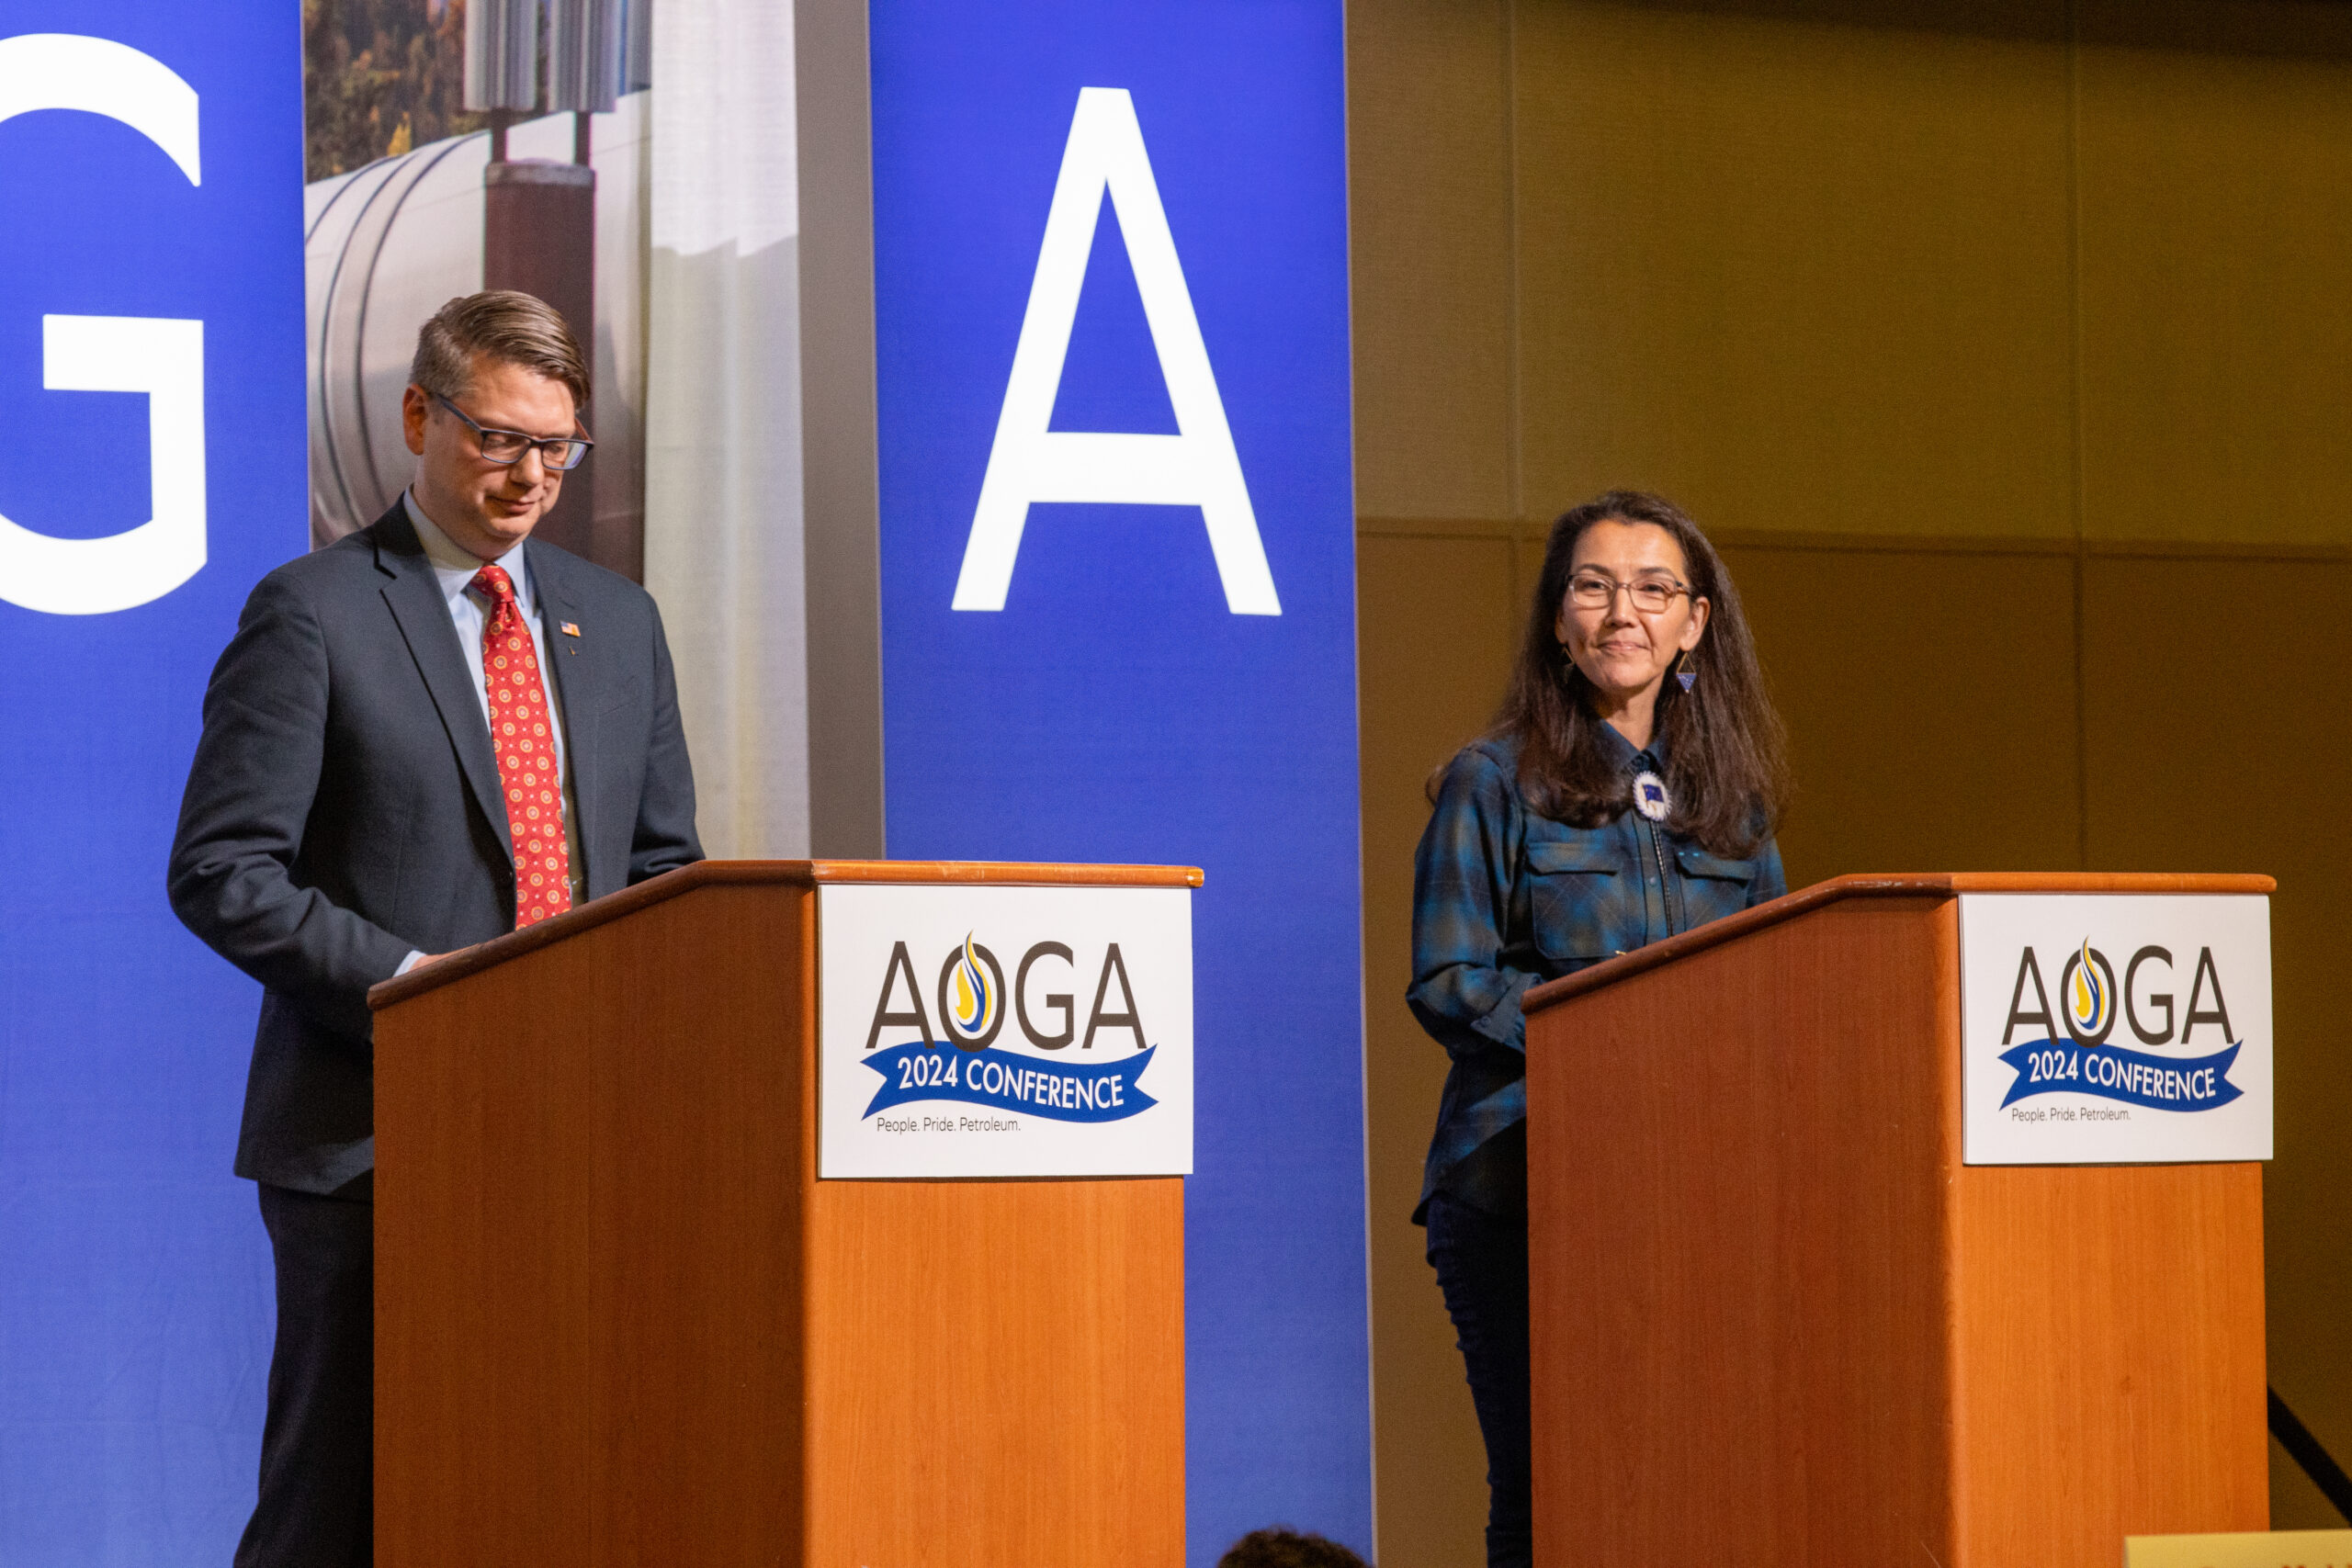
<point>316,1509</point>
<point>1481,1263</point>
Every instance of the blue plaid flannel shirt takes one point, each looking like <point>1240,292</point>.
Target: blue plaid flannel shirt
<point>1504,900</point>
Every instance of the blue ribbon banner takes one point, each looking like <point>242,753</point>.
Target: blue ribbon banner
<point>2161,1083</point>
<point>1066,1092</point>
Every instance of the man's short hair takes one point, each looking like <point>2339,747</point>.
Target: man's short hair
<point>507,325</point>
<point>1280,1548</point>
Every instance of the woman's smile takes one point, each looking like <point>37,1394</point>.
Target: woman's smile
<point>1623,647</point>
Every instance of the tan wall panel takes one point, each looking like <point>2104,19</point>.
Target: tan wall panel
<point>1430,211</point>
<point>1531,561</point>
<point>1797,276</point>
<point>1437,620</point>
<point>1922,737</point>
<point>2216,226</point>
<point>2213,750</point>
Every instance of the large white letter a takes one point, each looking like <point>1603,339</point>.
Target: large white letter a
<point>1028,463</point>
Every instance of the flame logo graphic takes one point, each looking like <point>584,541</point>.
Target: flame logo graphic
<point>2088,1001</point>
<point>972,1002</point>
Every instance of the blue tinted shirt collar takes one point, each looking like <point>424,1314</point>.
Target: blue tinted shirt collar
<point>1651,757</point>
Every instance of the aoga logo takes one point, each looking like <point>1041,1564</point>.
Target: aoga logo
<point>971,1001</point>
<point>2091,1002</point>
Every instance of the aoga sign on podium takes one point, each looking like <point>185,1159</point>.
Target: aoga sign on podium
<point>2115,1029</point>
<point>991,1031</point>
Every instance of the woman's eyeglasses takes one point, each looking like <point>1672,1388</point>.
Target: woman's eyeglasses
<point>561,454</point>
<point>1595,590</point>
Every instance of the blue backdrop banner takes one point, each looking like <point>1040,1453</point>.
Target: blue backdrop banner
<point>150,384</point>
<point>1118,604</point>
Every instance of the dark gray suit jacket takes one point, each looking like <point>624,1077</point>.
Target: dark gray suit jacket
<point>344,809</point>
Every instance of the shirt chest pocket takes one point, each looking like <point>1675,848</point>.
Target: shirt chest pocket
<point>1711,886</point>
<point>1585,900</point>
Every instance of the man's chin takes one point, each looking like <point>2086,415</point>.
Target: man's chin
<point>508,524</point>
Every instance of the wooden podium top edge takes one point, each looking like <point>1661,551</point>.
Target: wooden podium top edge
<point>781,872</point>
<point>1934,885</point>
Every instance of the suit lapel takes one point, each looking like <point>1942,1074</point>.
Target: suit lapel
<point>414,596</point>
<point>573,659</point>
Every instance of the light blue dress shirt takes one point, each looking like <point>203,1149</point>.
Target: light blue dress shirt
<point>455,567</point>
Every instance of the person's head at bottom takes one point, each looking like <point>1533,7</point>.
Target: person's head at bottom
<point>492,414</point>
<point>1280,1548</point>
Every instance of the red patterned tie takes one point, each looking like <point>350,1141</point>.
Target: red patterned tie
<point>523,731</point>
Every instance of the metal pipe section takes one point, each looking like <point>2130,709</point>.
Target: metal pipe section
<point>586,41</point>
<point>502,55</point>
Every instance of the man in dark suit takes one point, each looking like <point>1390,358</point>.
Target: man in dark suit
<point>420,737</point>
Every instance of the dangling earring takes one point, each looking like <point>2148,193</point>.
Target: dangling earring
<point>1683,673</point>
<point>1568,663</point>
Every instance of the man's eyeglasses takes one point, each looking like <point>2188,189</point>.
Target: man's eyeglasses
<point>1592,591</point>
<point>561,454</point>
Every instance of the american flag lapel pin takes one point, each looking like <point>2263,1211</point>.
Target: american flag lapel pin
<point>568,629</point>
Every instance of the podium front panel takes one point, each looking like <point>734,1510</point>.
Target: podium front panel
<point>1775,1318</point>
<point>620,1320</point>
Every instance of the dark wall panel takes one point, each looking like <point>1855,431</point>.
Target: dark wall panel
<point>2216,731</point>
<point>1437,624</point>
<point>1930,706</point>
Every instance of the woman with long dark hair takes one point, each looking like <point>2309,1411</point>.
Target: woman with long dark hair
<point>1627,790</point>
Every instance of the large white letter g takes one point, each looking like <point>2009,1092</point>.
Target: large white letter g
<point>161,358</point>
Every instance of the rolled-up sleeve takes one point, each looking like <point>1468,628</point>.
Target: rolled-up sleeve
<point>1462,992</point>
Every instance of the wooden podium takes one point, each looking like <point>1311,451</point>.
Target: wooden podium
<point>1777,1321</point>
<point>620,1321</point>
